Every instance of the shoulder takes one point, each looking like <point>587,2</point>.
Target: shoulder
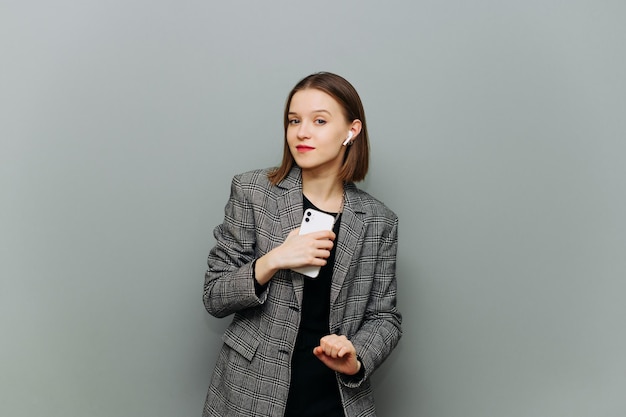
<point>254,180</point>
<point>254,186</point>
<point>259,179</point>
<point>253,177</point>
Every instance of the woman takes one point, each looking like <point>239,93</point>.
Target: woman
<point>300,346</point>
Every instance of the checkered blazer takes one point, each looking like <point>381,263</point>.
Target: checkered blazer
<point>252,373</point>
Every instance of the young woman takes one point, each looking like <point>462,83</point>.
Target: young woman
<point>301,346</point>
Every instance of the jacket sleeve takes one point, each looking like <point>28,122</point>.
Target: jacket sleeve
<point>229,279</point>
<point>381,329</point>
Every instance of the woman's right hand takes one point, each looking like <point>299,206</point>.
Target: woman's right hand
<point>311,249</point>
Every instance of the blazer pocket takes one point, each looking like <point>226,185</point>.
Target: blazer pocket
<point>238,339</point>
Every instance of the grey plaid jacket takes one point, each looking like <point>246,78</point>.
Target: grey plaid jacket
<point>252,373</point>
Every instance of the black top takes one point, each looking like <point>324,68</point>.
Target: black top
<point>314,390</point>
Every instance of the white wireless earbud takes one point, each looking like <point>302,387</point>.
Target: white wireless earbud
<point>348,139</point>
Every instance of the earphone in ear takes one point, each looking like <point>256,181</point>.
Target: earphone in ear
<point>348,139</point>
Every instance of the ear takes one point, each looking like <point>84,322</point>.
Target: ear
<point>355,128</point>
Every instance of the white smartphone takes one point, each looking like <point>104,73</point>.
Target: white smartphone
<point>313,221</point>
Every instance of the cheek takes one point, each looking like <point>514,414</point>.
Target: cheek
<point>291,132</point>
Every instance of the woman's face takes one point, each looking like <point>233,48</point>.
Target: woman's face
<point>316,130</point>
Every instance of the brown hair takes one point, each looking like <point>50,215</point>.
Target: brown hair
<point>356,158</point>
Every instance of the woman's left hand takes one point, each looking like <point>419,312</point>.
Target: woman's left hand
<point>338,353</point>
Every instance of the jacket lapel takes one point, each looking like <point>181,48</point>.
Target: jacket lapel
<point>350,233</point>
<point>290,210</point>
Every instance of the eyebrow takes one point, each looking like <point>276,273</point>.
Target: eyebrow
<point>314,111</point>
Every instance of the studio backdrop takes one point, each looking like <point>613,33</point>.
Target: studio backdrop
<point>497,135</point>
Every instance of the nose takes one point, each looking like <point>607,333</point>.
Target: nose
<point>303,131</point>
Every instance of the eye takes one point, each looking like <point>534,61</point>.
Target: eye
<point>320,121</point>
<point>294,121</point>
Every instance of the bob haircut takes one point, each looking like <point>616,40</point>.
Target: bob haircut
<point>356,157</point>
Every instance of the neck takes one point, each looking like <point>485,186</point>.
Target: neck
<point>325,193</point>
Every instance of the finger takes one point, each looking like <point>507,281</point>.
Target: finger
<point>322,354</point>
<point>338,345</point>
<point>328,349</point>
<point>325,244</point>
<point>323,235</point>
<point>323,254</point>
<point>345,350</point>
<point>328,340</point>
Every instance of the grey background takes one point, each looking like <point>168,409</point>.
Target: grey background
<point>497,133</point>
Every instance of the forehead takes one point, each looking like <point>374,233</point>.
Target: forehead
<point>311,99</point>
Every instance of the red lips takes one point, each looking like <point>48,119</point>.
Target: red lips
<point>304,148</point>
